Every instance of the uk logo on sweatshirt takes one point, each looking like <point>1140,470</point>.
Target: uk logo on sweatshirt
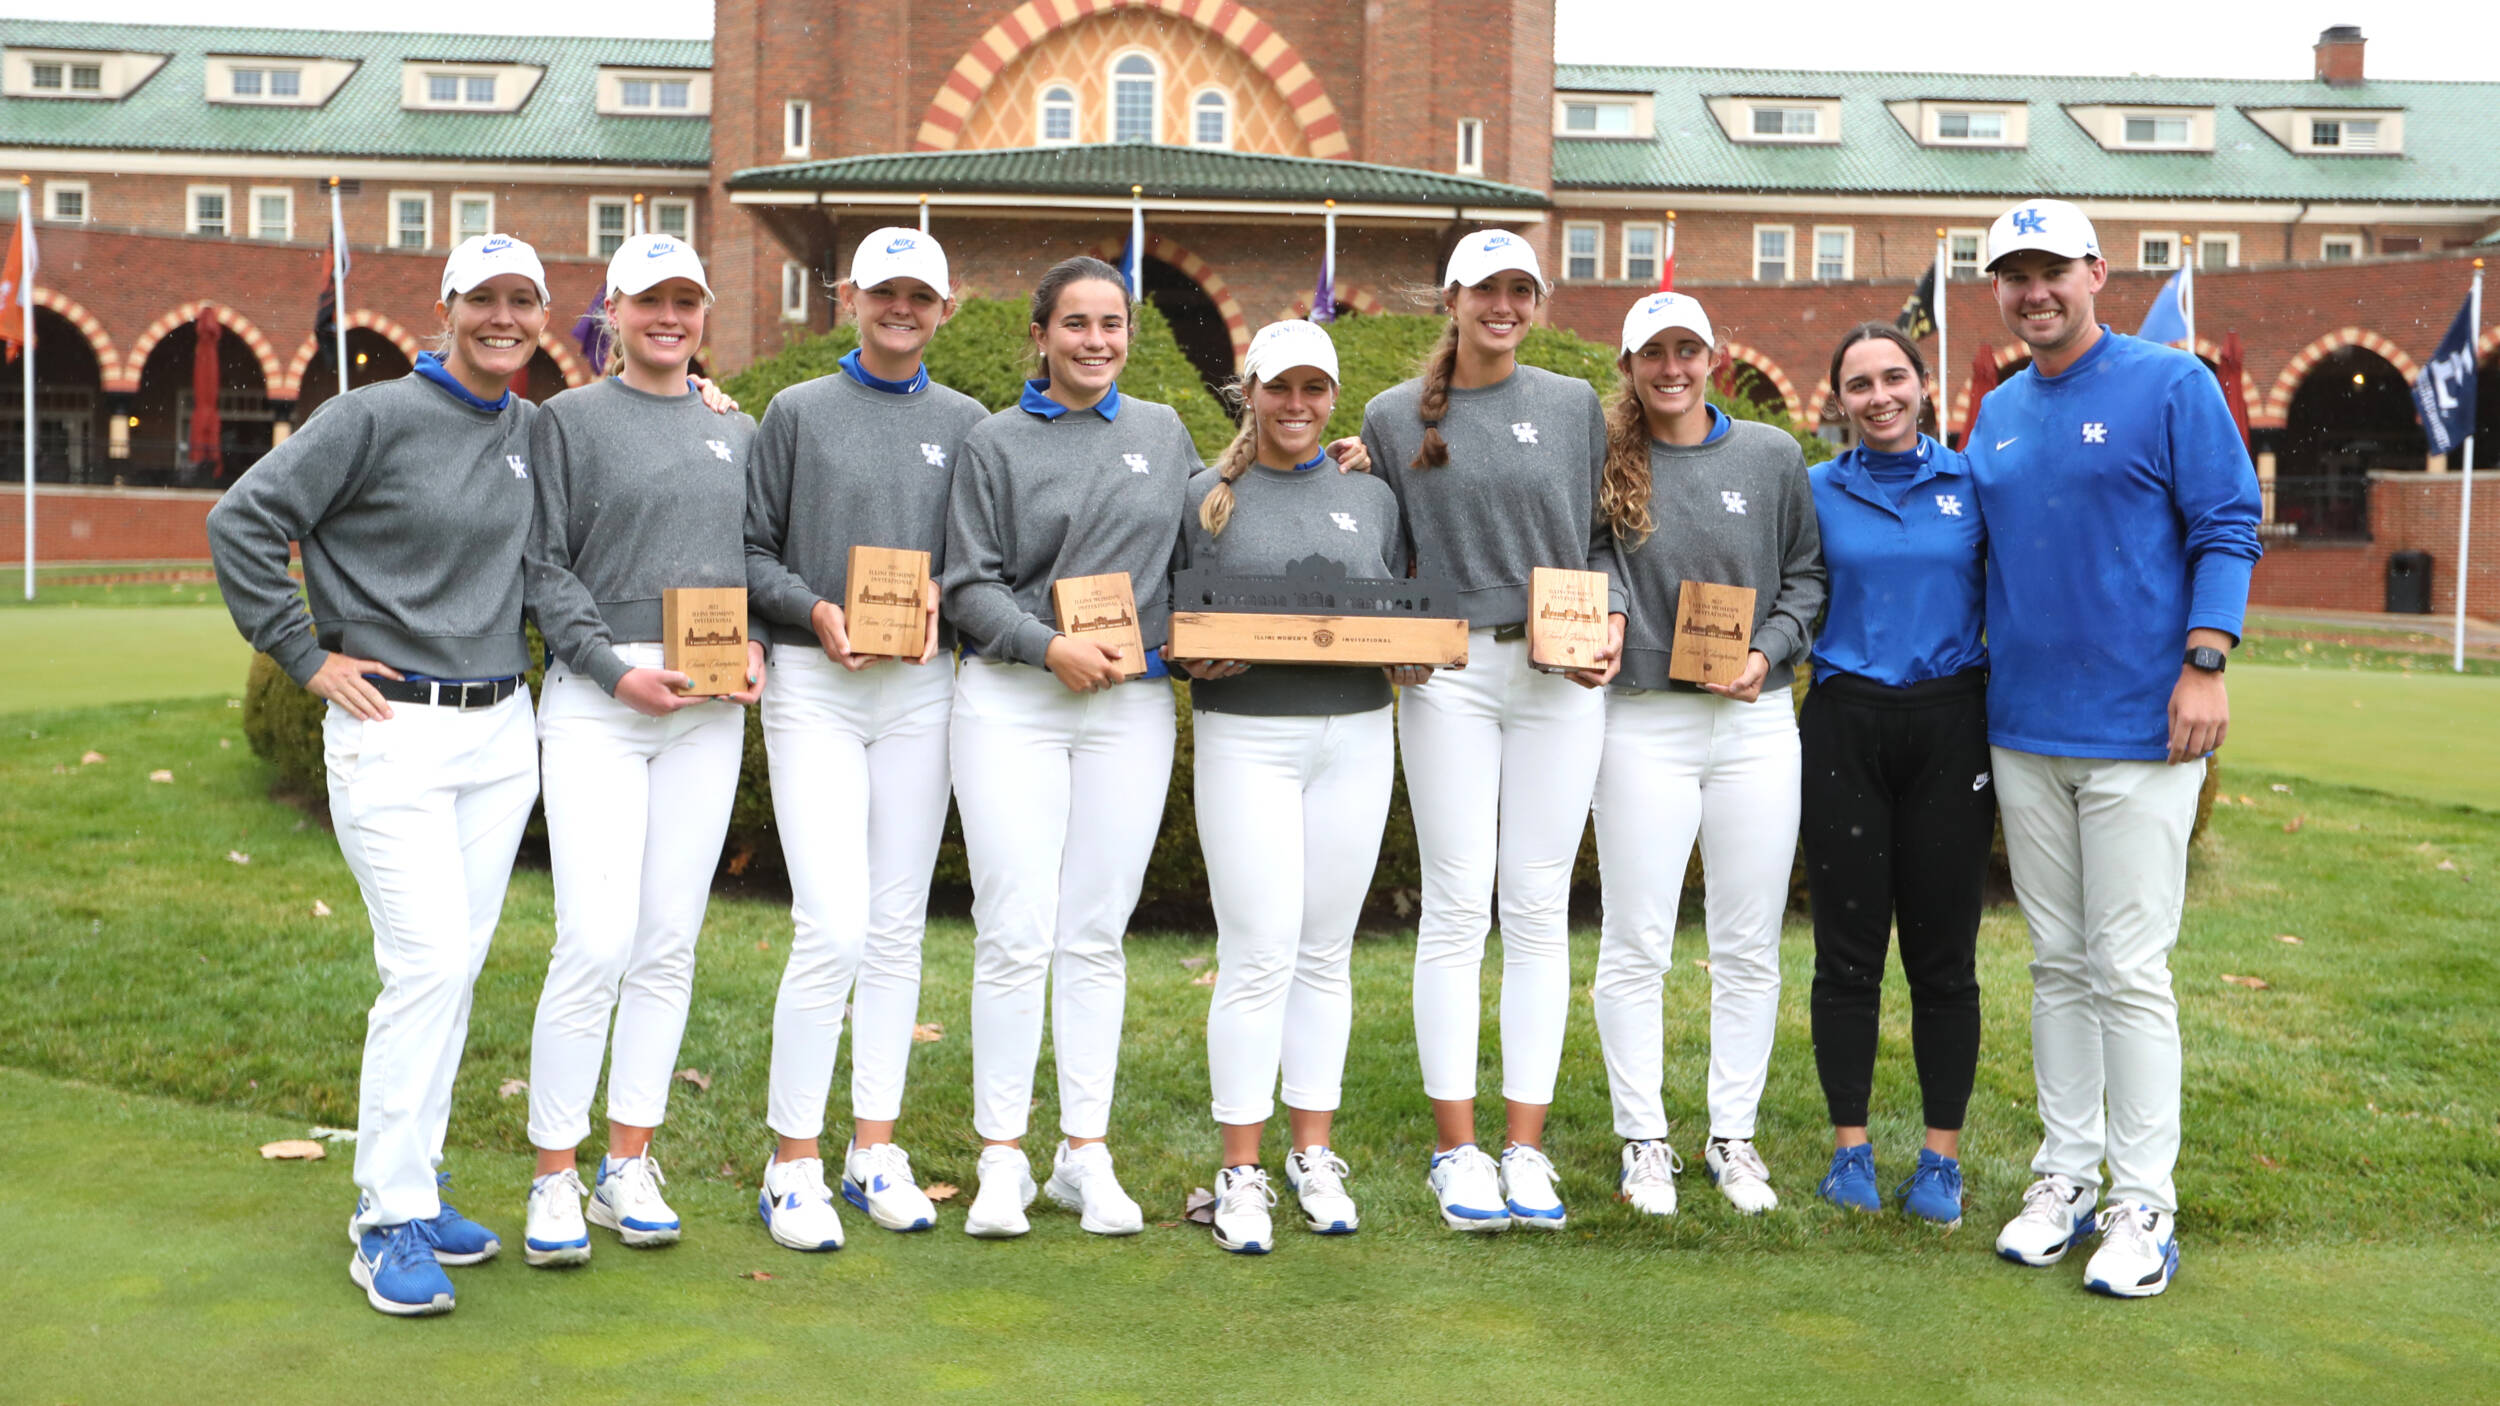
<point>520,467</point>
<point>1949,504</point>
<point>1733,501</point>
<point>1344,521</point>
<point>719,448</point>
<point>1136,463</point>
<point>933,455</point>
<point>2095,432</point>
<point>1524,432</point>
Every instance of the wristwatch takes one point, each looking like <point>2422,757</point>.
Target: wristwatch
<point>2207,658</point>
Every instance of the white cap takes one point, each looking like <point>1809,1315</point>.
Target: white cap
<point>1660,311</point>
<point>1490,251</point>
<point>649,260</point>
<point>1282,346</point>
<point>483,256</point>
<point>2052,226</point>
<point>897,252</point>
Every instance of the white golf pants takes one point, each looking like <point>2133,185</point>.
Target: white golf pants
<point>2099,854</point>
<point>429,806</point>
<point>1500,763</point>
<point>1680,765</point>
<point>859,793</point>
<point>1061,796</point>
<point>1290,811</point>
<point>636,810</point>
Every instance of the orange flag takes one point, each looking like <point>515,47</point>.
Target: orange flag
<point>17,291</point>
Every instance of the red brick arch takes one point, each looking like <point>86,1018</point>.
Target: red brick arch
<point>2279,400</point>
<point>942,125</point>
<point>107,360</point>
<point>272,375</point>
<point>566,358</point>
<point>1354,295</point>
<point>1795,407</point>
<point>1200,272</point>
<point>313,346</point>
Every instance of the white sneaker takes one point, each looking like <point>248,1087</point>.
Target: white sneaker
<point>627,1201</point>
<point>1242,1198</point>
<point>1317,1177</point>
<point>1742,1179</point>
<point>1081,1180</point>
<point>1469,1188</point>
<point>2139,1252</point>
<point>2056,1215</point>
<point>1648,1178</point>
<point>878,1180</point>
<point>796,1207</point>
<point>1528,1193</point>
<point>555,1235</point>
<point>1006,1188</point>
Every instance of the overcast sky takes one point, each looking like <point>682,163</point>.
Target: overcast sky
<point>2233,39</point>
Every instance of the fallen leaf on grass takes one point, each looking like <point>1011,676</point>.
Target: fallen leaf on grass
<point>236,856</point>
<point>224,742</point>
<point>928,1034</point>
<point>91,759</point>
<point>755,1274</point>
<point>940,1191</point>
<point>1702,962</point>
<point>1193,963</point>
<point>1204,978</point>
<point>1199,1208</point>
<point>1168,1225</point>
<point>2292,826</point>
<point>2280,789</point>
<point>2448,864</point>
<point>2223,798</point>
<point>160,775</point>
<point>697,1078</point>
<point>2253,983</point>
<point>738,862</point>
<point>729,1170</point>
<point>512,1088</point>
<point>294,1149</point>
<point>763,944</point>
<point>2248,800</point>
<point>320,909</point>
<point>333,1134</point>
<point>2287,937</point>
<point>2268,1163</point>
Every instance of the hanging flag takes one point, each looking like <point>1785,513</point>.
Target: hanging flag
<point>1135,264</point>
<point>1983,379</point>
<point>1666,261</point>
<point>207,429</point>
<point>1324,295</point>
<point>17,284</point>
<point>2229,368</point>
<point>1918,315</point>
<point>334,286</point>
<point>2167,321</point>
<point>2444,393</point>
<point>590,333</point>
<point>326,303</point>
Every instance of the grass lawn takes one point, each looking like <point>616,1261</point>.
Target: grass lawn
<point>2431,735</point>
<point>66,655</point>
<point>175,1008</point>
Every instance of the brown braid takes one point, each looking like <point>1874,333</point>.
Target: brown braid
<point>1217,509</point>
<point>1624,493</point>
<point>1439,365</point>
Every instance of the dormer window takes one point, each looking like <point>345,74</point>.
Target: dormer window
<point>2146,126</point>
<point>1805,121</point>
<point>2344,134</point>
<point>438,86</point>
<point>2333,131</point>
<point>460,89</point>
<point>2156,131</point>
<point>1952,126</point>
<point>663,95</point>
<point>1787,122</point>
<point>1604,119</point>
<point>642,93</point>
<point>275,84</point>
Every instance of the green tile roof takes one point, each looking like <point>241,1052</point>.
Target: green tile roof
<point>2451,150</point>
<point>169,112</point>
<point>1110,168</point>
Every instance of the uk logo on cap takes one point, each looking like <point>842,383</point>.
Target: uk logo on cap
<point>2029,221</point>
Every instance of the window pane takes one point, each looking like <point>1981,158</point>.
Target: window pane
<point>1467,134</point>
<point>2338,249</point>
<point>1058,123</point>
<point>1135,63</point>
<point>473,217</point>
<point>86,78</point>
<point>1583,239</point>
<point>1579,117</point>
<point>2156,253</point>
<point>1770,254</point>
<point>2139,129</point>
<point>1769,122</point>
<point>247,82</point>
<point>2171,130</point>
<point>1953,126</point>
<point>286,83</point>
<point>637,92</point>
<point>1640,241</point>
<point>2361,134</point>
<point>670,217</point>
<point>2326,134</point>
<point>1831,254</point>
<point>1210,125</point>
<point>8,203</point>
<point>610,215</point>
<point>1132,109</point>
<point>47,75</point>
<point>1962,252</point>
<point>69,205</point>
<point>441,88</point>
<point>797,135</point>
<point>1803,121</point>
<point>211,212</point>
<point>2214,254</point>
<point>481,90</point>
<point>675,93</point>
<point>269,217</point>
<point>1640,269</point>
<point>1614,118</point>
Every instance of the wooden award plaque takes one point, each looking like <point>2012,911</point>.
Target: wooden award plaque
<point>1316,613</point>
<point>1104,610</point>
<point>885,605</point>
<point>1566,618</point>
<point>703,635</point>
<point>1713,632</point>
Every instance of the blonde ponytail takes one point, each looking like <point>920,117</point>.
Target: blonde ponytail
<point>1217,509</point>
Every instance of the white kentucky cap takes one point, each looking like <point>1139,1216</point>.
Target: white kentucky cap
<point>2052,226</point>
<point>484,256</point>
<point>1490,251</point>
<point>1660,311</point>
<point>1282,346</point>
<point>649,260</point>
<point>897,252</point>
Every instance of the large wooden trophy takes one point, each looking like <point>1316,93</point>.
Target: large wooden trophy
<point>1713,632</point>
<point>1566,618</point>
<point>703,635</point>
<point>1102,609</point>
<point>885,602</point>
<point>1317,614</point>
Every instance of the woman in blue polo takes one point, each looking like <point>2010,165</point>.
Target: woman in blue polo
<point>1898,806</point>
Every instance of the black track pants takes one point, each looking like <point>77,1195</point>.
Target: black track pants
<point>1898,810</point>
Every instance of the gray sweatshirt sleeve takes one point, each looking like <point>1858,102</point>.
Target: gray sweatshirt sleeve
<point>774,591</point>
<point>566,611</point>
<point>1602,554</point>
<point>1786,635</point>
<point>284,496</point>
<point>978,597</point>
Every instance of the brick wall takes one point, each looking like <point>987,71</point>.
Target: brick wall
<point>2408,512</point>
<point>107,524</point>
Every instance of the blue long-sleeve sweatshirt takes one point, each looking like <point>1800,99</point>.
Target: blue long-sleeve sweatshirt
<point>1904,546</point>
<point>2122,513</point>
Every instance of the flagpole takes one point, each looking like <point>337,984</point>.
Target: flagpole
<point>2187,300</point>
<point>26,358</point>
<point>338,281</point>
<point>1328,271</point>
<point>1666,265</point>
<point>638,227</point>
<point>1137,241</point>
<point>2465,508</point>
<point>924,214</point>
<point>1944,363</point>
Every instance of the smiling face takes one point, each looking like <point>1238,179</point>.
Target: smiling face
<point>2046,300</point>
<point>1880,392</point>
<point>1493,315</point>
<point>896,319</point>
<point>1085,343</point>
<point>661,326</point>
<point>494,328</point>
<point>1671,375</point>
<point>1292,409</point>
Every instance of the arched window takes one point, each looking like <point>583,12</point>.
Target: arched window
<point>1058,115</point>
<point>1211,119</point>
<point>1135,85</point>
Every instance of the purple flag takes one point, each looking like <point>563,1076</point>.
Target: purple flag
<point>593,337</point>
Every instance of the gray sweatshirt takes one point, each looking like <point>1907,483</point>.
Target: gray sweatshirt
<point>1281,516</point>
<point>1737,512</point>
<point>1036,501</point>
<point>1520,490</point>
<point>637,493</point>
<point>839,465</point>
<point>412,508</point>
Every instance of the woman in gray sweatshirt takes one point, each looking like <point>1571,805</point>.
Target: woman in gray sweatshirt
<point>862,457</point>
<point>1060,761</point>
<point>411,499</point>
<point>1495,466</point>
<point>1695,495</point>
<point>640,489</point>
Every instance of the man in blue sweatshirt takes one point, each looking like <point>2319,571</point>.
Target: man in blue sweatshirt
<point>2122,528</point>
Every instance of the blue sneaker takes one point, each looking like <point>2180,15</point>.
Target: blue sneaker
<point>1934,1191</point>
<point>395,1266</point>
<point>458,1240</point>
<point>1850,1184</point>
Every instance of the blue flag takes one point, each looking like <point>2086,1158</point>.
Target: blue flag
<point>2444,392</point>
<point>2167,320</point>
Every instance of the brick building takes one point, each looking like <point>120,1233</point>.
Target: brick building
<point>2331,216</point>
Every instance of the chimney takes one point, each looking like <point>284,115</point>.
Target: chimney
<point>2339,55</point>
